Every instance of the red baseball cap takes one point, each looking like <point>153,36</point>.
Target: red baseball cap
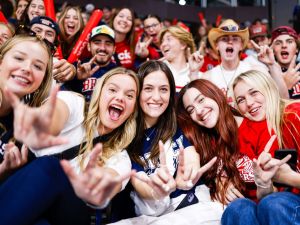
<point>257,31</point>
<point>284,30</point>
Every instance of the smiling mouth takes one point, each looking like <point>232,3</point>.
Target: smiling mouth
<point>254,110</point>
<point>21,79</point>
<point>205,116</point>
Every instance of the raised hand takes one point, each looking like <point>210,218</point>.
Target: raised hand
<point>95,185</point>
<point>31,125</point>
<point>187,176</point>
<point>161,182</point>
<point>13,159</point>
<point>292,75</point>
<point>141,48</point>
<point>195,61</point>
<point>265,167</point>
<point>265,54</point>
<point>85,70</point>
<point>63,70</point>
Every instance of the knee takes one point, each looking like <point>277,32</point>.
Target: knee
<point>240,208</point>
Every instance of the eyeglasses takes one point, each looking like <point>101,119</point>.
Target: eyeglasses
<point>231,28</point>
<point>26,31</point>
<point>151,26</point>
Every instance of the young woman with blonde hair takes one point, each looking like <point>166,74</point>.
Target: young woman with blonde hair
<point>97,175</point>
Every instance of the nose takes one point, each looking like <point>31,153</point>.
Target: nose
<point>198,110</point>
<point>101,46</point>
<point>26,67</point>
<point>120,96</point>
<point>156,95</point>
<point>249,101</point>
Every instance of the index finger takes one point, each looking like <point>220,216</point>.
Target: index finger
<point>256,46</point>
<point>201,47</point>
<point>285,160</point>
<point>208,165</point>
<point>13,99</point>
<point>181,159</point>
<point>92,60</point>
<point>162,155</point>
<point>270,143</point>
<point>95,153</point>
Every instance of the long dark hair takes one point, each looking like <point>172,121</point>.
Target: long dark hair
<point>166,124</point>
<point>220,141</point>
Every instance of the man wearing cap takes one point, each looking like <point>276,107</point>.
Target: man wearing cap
<point>101,46</point>
<point>229,41</point>
<point>49,30</point>
<point>259,34</point>
<point>284,44</point>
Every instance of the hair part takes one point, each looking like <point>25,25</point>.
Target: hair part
<point>220,141</point>
<point>123,135</point>
<point>166,124</point>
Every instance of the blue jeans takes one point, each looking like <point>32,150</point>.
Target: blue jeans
<point>279,208</point>
<point>41,192</point>
<point>241,211</point>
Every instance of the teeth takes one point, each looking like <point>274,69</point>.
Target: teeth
<point>254,110</point>
<point>205,116</point>
<point>21,79</point>
<point>117,107</point>
<point>154,105</point>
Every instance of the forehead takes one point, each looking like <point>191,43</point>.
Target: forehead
<point>4,29</point>
<point>283,37</point>
<point>42,27</point>
<point>122,80</point>
<point>101,38</point>
<point>37,2</point>
<point>156,77</point>
<point>150,20</point>
<point>71,12</point>
<point>190,95</point>
<point>125,12</point>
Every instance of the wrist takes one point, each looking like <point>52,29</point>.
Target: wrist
<point>263,185</point>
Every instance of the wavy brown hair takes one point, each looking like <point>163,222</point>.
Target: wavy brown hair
<point>220,141</point>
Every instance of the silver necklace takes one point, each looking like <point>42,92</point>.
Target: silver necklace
<point>148,136</point>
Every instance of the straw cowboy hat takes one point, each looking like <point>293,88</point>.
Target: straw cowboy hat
<point>227,27</point>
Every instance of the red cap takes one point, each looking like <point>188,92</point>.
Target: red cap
<point>258,30</point>
<point>284,30</point>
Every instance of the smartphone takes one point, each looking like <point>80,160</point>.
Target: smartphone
<point>143,36</point>
<point>281,153</point>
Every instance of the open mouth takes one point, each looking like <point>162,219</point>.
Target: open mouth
<point>254,111</point>
<point>229,50</point>
<point>71,28</point>
<point>284,54</point>
<point>115,112</point>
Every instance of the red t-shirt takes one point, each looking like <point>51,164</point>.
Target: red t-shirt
<point>253,137</point>
<point>124,55</point>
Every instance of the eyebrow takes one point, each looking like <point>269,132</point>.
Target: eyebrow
<point>119,87</point>
<point>195,99</point>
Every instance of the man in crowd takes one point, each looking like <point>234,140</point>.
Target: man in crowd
<point>47,29</point>
<point>101,46</point>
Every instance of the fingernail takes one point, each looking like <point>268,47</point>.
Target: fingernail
<point>166,188</point>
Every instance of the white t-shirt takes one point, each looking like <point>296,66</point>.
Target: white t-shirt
<point>181,77</point>
<point>73,129</point>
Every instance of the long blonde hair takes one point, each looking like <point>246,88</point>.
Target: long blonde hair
<point>275,105</point>
<point>121,136</point>
<point>43,91</point>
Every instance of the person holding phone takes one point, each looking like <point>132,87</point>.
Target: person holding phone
<point>257,98</point>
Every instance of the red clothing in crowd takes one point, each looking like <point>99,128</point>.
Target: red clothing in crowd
<point>253,137</point>
<point>124,55</point>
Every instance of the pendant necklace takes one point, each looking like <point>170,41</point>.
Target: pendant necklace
<point>149,136</point>
<point>230,80</point>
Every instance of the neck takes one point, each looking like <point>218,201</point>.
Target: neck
<point>178,63</point>
<point>150,122</point>
<point>119,37</point>
<point>102,130</point>
<point>230,65</point>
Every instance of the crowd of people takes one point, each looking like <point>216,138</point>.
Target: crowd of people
<point>151,124</point>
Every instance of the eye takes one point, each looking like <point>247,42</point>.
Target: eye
<point>254,92</point>
<point>130,96</point>
<point>164,90</point>
<point>38,67</point>
<point>148,89</point>
<point>18,58</point>
<point>240,100</point>
<point>200,100</point>
<point>112,90</point>
<point>190,110</point>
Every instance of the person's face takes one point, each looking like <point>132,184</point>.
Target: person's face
<point>5,34</point>
<point>71,22</point>
<point>202,31</point>
<point>123,21</point>
<point>203,110</point>
<point>229,47</point>
<point>103,47</point>
<point>85,17</point>
<point>155,96</point>
<point>36,8</point>
<point>261,40</point>
<point>250,101</point>
<point>24,67</point>
<point>152,28</point>
<point>171,47</point>
<point>117,102</point>
<point>22,5</point>
<point>44,31</point>
<point>285,48</point>
<point>106,14</point>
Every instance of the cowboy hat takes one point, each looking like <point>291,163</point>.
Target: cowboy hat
<point>227,27</point>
